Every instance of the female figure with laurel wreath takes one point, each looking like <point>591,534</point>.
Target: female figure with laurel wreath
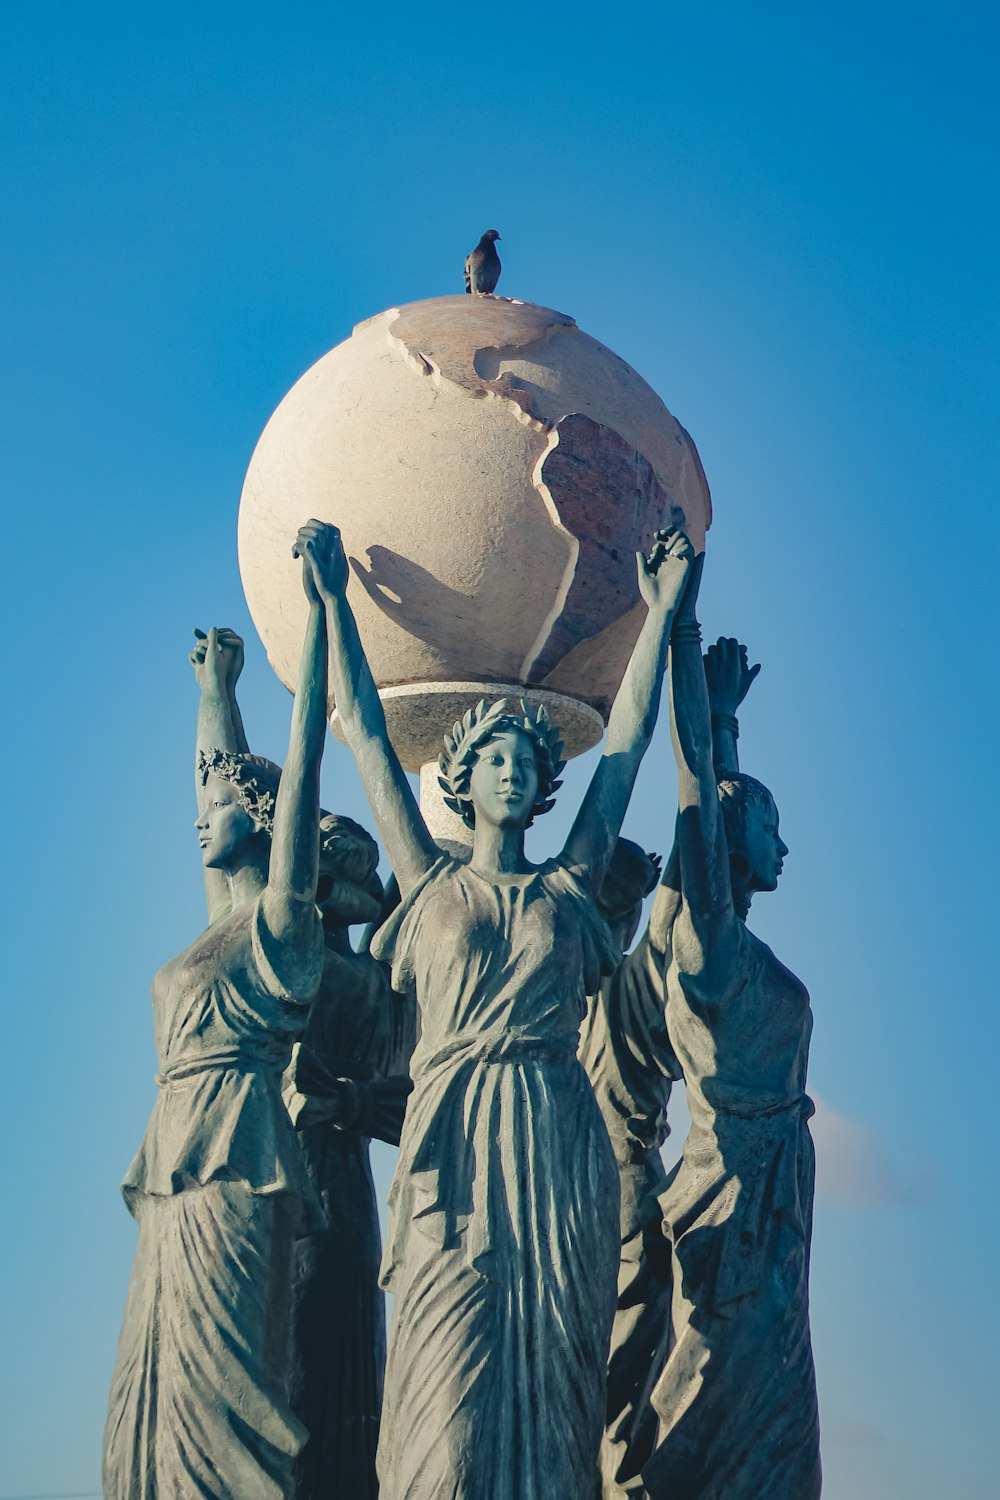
<point>347,1081</point>
<point>503,1251</point>
<point>219,1186</point>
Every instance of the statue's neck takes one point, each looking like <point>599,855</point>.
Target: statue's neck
<point>498,851</point>
<point>246,884</point>
<point>742,896</point>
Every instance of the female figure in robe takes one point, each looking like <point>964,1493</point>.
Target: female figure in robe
<point>628,1058</point>
<point>346,1082</point>
<point>737,1399</point>
<point>626,1050</point>
<point>219,1187</point>
<point>503,1251</point>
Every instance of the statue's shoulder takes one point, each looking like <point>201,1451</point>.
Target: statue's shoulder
<point>397,932</point>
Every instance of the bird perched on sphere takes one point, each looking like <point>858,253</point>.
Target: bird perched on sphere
<point>482,265</point>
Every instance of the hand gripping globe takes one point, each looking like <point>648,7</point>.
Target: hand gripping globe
<point>493,471</point>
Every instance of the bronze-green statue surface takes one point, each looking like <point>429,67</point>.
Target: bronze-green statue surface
<point>626,1050</point>
<point>631,1066</point>
<point>346,1083</point>
<point>736,1400</point>
<point>219,1187</point>
<point>503,1254</point>
<point>570,1320</point>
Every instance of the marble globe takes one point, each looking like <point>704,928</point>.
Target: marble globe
<point>493,471</point>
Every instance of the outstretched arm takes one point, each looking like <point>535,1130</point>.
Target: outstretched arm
<point>706,924</point>
<point>666,904</point>
<point>728,678</point>
<point>633,714</point>
<point>410,848</point>
<point>289,899</point>
<point>217,659</point>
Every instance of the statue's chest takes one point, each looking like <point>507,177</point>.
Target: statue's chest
<point>521,923</point>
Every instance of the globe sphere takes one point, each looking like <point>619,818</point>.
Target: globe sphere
<point>493,471</point>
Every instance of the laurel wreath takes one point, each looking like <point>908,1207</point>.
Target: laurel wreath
<point>254,778</point>
<point>483,723</point>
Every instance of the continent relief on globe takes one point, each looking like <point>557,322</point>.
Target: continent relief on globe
<point>493,471</point>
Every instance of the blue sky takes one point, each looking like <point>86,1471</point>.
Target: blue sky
<point>785,217</point>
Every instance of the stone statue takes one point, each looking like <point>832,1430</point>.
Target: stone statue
<point>627,1054</point>
<point>626,1051</point>
<point>736,1400</point>
<point>504,1248</point>
<point>219,1186</point>
<point>346,1083</point>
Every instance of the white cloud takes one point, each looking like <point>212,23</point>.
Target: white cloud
<point>853,1165</point>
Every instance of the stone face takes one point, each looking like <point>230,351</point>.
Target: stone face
<point>492,469</point>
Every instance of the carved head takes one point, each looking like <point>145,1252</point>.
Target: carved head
<point>501,763</point>
<point>236,817</point>
<point>756,851</point>
<point>349,889</point>
<point>630,877</point>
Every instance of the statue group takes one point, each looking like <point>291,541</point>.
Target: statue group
<point>570,1320</point>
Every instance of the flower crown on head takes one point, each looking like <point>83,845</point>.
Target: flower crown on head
<point>253,776</point>
<point>483,723</point>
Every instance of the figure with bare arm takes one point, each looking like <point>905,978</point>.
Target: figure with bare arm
<point>503,1247</point>
<point>347,1082</point>
<point>630,1062</point>
<point>217,658</point>
<point>219,1187</point>
<point>736,1400</point>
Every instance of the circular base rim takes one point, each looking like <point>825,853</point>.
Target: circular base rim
<point>419,714</point>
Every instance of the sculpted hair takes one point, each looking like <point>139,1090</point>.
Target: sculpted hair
<point>349,886</point>
<point>482,724</point>
<point>737,793</point>
<point>348,855</point>
<point>631,875</point>
<point>254,777</point>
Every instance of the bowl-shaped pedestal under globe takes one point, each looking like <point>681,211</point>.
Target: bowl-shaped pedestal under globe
<point>493,471</point>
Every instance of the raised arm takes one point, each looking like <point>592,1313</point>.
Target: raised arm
<point>728,678</point>
<point>666,904</point>
<point>404,833</point>
<point>706,926</point>
<point>633,714</point>
<point>289,899</point>
<point>217,659</point>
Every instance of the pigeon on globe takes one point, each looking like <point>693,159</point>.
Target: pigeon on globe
<point>482,265</point>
